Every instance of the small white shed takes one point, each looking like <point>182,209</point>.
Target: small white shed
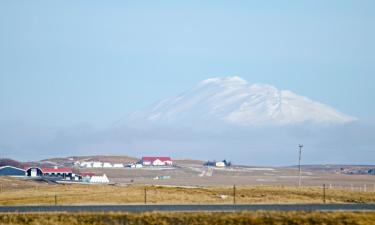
<point>99,179</point>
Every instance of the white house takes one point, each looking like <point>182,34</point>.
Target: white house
<point>86,164</point>
<point>107,165</point>
<point>156,161</point>
<point>220,164</point>
<point>97,164</point>
<point>118,165</point>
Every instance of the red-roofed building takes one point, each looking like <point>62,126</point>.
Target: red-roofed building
<point>156,161</point>
<point>62,172</point>
<point>56,170</point>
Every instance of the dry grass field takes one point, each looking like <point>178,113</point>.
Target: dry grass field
<point>256,218</point>
<point>34,193</point>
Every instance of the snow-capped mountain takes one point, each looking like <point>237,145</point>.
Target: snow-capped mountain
<point>234,101</point>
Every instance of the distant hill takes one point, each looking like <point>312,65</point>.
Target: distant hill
<point>107,158</point>
<point>11,162</point>
<point>101,158</point>
<point>188,161</point>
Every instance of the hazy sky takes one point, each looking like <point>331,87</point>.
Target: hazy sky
<point>69,62</point>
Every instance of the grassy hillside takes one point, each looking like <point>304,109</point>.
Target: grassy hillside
<point>10,162</point>
<point>256,218</point>
<point>102,158</point>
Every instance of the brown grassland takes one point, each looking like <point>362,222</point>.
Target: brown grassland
<point>165,218</point>
<point>32,193</point>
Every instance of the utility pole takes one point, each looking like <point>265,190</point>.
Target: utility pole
<point>145,196</point>
<point>299,165</point>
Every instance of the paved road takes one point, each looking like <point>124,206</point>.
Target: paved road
<point>187,208</point>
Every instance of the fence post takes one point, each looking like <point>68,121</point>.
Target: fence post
<point>324,193</point>
<point>145,195</point>
<point>234,194</point>
<point>55,199</point>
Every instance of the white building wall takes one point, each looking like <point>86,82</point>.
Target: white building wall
<point>99,179</point>
<point>97,165</point>
<point>118,165</point>
<point>168,162</point>
<point>220,164</point>
<point>146,163</point>
<point>158,162</point>
<point>107,165</point>
<point>86,164</point>
<point>33,172</point>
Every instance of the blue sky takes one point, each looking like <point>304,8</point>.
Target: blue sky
<point>69,62</point>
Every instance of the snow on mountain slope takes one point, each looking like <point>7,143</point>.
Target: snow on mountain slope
<point>232,100</point>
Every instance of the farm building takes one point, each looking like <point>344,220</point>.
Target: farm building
<point>86,176</point>
<point>223,163</point>
<point>97,164</point>
<point>118,165</point>
<point>89,177</point>
<point>85,164</point>
<point>156,161</point>
<point>34,172</point>
<point>60,172</point>
<point>64,172</point>
<point>11,171</point>
<point>220,164</point>
<point>99,179</point>
<point>107,165</point>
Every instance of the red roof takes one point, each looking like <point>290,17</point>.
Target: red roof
<point>153,158</point>
<point>87,174</point>
<point>56,170</point>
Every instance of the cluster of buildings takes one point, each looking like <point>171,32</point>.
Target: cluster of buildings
<point>98,164</point>
<point>53,173</point>
<point>156,161</point>
<point>56,173</point>
<point>223,163</point>
<point>358,171</point>
<point>145,161</point>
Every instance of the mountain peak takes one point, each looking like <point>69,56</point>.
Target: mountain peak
<point>231,80</point>
<point>232,100</point>
<point>264,87</point>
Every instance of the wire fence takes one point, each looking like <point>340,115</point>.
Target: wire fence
<point>105,194</point>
